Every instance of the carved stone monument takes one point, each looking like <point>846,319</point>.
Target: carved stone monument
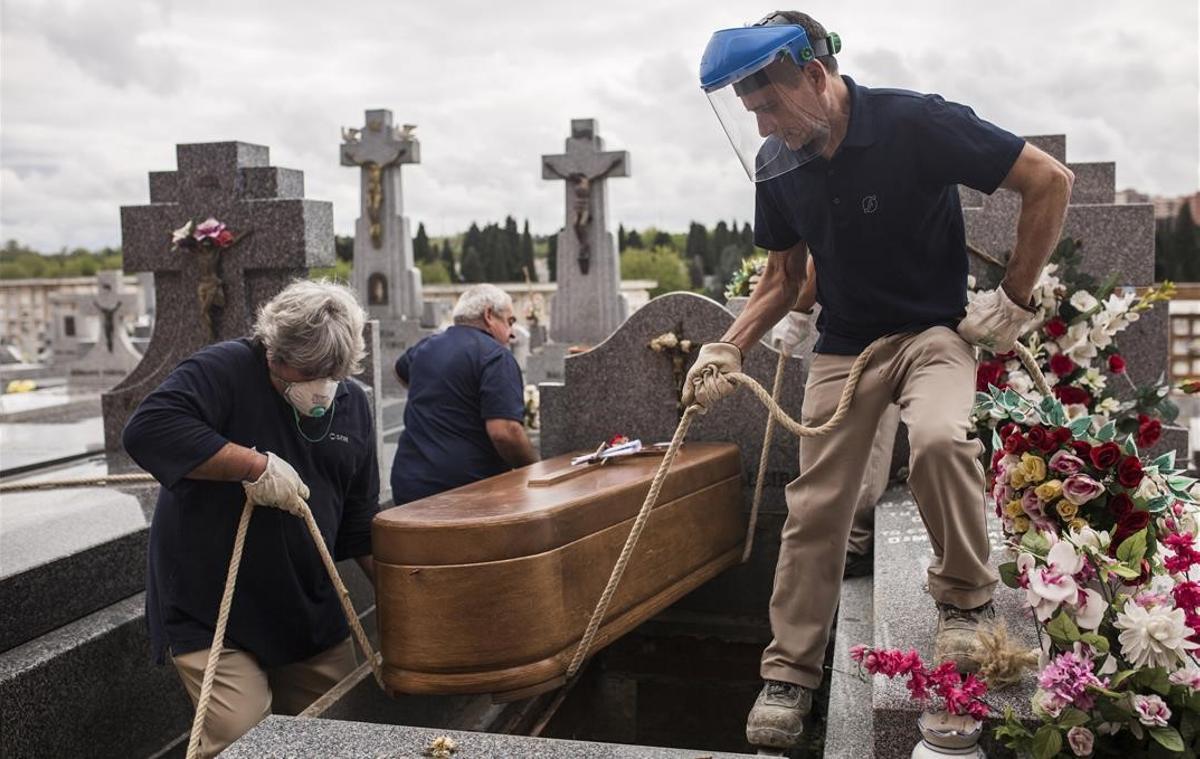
<point>279,235</point>
<point>588,304</point>
<point>113,355</point>
<point>387,281</point>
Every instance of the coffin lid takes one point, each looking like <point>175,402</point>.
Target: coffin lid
<point>502,517</point>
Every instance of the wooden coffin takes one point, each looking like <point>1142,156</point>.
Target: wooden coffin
<point>488,588</point>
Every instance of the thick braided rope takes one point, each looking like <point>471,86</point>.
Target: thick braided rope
<point>1035,371</point>
<point>76,482</point>
<point>760,481</point>
<point>214,652</point>
<point>210,669</point>
<point>344,596</point>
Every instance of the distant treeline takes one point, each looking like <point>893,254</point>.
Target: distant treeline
<point>1177,248</point>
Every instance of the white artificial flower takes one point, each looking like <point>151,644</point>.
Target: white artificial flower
<point>1149,488</point>
<point>1052,584</point>
<point>1108,406</point>
<point>1118,302</point>
<point>1189,676</point>
<point>1076,344</point>
<point>182,233</point>
<point>1094,379</point>
<point>1089,609</point>
<point>970,281</point>
<point>1083,301</point>
<point>1089,538</point>
<point>1075,411</point>
<point>1021,383</point>
<point>1100,337</point>
<point>1153,637</point>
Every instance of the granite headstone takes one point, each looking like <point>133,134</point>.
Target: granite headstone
<point>283,235</point>
<point>112,356</point>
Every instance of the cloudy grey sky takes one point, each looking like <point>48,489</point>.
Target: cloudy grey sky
<point>96,94</point>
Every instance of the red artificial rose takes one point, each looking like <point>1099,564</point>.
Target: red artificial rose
<point>1056,328</point>
<point>1082,450</point>
<point>1061,365</point>
<point>1011,428</point>
<point>1134,521</point>
<point>1116,364</point>
<point>224,239</point>
<point>1129,472</point>
<point>1037,436</point>
<point>1190,387</point>
<point>1016,444</point>
<point>1106,455</point>
<point>1120,505</point>
<point>1148,432</point>
<point>1069,394</point>
<point>988,373</point>
<point>1062,435</point>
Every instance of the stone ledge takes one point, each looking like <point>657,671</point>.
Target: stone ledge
<point>850,722</point>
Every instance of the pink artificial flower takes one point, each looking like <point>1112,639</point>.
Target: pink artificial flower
<point>857,652</point>
<point>1081,740</point>
<point>1151,711</point>
<point>1079,489</point>
<point>1065,463</point>
<point>1188,676</point>
<point>1185,556</point>
<point>1066,679</point>
<point>210,227</point>
<point>1032,505</point>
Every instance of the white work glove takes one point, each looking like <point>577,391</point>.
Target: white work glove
<point>796,329</point>
<point>279,486</point>
<point>705,383</point>
<point>994,321</point>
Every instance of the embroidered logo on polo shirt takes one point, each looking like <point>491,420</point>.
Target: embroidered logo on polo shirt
<point>870,204</point>
<point>339,437</point>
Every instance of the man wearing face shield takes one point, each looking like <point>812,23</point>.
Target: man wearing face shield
<point>865,180</point>
<point>273,418</point>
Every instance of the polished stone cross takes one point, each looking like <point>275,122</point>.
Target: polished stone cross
<point>282,235</point>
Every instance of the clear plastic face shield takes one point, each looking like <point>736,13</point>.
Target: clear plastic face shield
<point>772,109</point>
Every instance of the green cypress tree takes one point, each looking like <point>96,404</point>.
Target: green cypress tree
<point>448,259</point>
<point>421,250</point>
<point>1185,245</point>
<point>552,256</point>
<point>620,238</point>
<point>633,240</point>
<point>472,266</point>
<point>527,253</point>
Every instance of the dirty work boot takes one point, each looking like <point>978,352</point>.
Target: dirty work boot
<point>859,564</point>
<point>777,719</point>
<point>955,639</point>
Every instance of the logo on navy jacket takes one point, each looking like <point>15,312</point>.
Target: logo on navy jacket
<point>870,204</point>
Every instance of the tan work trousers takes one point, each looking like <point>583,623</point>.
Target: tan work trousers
<point>243,693</point>
<point>874,482</point>
<point>931,376</point>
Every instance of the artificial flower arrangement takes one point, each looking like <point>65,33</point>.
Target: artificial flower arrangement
<point>209,233</point>
<point>207,241</point>
<point>1078,319</point>
<point>1107,556</point>
<point>743,281</point>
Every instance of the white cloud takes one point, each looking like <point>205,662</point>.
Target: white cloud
<point>94,96</point>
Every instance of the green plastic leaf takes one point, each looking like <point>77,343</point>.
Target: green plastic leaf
<point>1125,572</point>
<point>1072,717</point>
<point>1047,742</point>
<point>1168,737</point>
<point>1009,574</point>
<point>996,444</point>
<point>1129,447</point>
<point>1063,627</point>
<point>1155,505</point>
<point>1180,483</point>
<point>1107,432</point>
<point>1133,548</point>
<point>1165,462</point>
<point>1080,426</point>
<point>1096,641</point>
<point>1035,543</point>
<point>1010,398</point>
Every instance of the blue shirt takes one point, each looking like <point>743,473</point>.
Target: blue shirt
<point>457,380</point>
<point>882,218</point>
<point>284,606</point>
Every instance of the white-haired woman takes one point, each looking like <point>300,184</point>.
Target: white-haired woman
<point>273,418</point>
<point>464,419</point>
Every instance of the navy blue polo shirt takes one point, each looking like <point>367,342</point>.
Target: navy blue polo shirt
<point>882,218</point>
<point>457,380</point>
<point>284,608</point>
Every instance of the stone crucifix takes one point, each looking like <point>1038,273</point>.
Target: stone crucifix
<point>585,166</point>
<point>587,304</point>
<point>385,276</point>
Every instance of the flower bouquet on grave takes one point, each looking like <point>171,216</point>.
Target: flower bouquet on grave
<point>1073,343</point>
<point>207,240</point>
<point>1108,560</point>
<point>744,280</point>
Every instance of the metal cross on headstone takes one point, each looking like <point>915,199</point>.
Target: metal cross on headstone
<point>384,273</point>
<point>111,303</point>
<point>284,236</point>
<point>587,303</point>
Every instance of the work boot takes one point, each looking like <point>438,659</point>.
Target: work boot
<point>859,565</point>
<point>777,719</point>
<point>956,635</point>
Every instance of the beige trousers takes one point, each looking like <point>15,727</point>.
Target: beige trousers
<point>931,376</point>
<point>243,694</point>
<point>874,482</point>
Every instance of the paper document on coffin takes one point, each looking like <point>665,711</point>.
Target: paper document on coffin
<point>488,588</point>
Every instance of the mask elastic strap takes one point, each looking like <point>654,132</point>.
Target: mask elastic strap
<point>328,427</point>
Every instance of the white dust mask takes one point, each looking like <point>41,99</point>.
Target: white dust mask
<point>312,398</point>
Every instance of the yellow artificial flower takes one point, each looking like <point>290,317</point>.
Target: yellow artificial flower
<point>1016,480</point>
<point>1021,524</point>
<point>1066,509</point>
<point>1049,490</point>
<point>1033,467</point>
<point>1078,523</point>
<point>1013,509</point>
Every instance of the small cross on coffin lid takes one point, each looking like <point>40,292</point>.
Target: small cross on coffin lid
<point>488,588</point>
